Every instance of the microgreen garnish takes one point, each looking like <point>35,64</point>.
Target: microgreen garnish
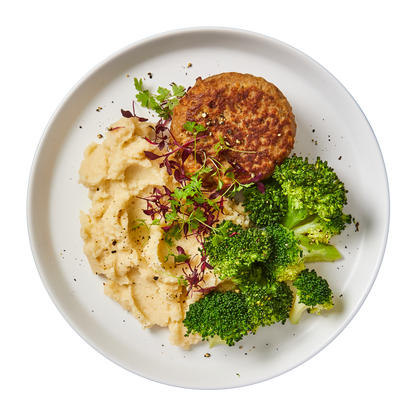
<point>188,210</point>
<point>194,128</point>
<point>236,175</point>
<point>128,114</point>
<point>163,102</point>
<point>193,276</point>
<point>144,223</point>
<point>180,257</point>
<point>223,145</point>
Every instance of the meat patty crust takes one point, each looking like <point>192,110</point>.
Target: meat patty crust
<point>249,125</point>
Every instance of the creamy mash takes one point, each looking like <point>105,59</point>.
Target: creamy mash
<point>117,173</point>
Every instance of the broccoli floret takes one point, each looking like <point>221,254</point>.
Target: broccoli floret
<point>312,294</point>
<point>311,189</point>
<point>220,315</point>
<point>265,208</point>
<point>286,259</point>
<point>321,230</point>
<point>268,304</point>
<point>306,197</point>
<point>291,252</point>
<point>226,317</point>
<point>232,250</point>
<point>254,255</point>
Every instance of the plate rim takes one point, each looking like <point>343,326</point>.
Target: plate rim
<point>217,27</point>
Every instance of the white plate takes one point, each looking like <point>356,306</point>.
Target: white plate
<point>330,124</point>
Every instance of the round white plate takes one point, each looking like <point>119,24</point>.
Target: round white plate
<point>330,124</point>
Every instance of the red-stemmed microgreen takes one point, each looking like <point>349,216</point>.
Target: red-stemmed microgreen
<point>128,114</point>
<point>194,129</point>
<point>193,277</point>
<point>238,178</point>
<point>188,210</point>
<point>191,210</point>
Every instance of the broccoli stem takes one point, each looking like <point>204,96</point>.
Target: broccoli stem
<point>307,225</point>
<point>313,252</point>
<point>293,217</point>
<point>297,310</point>
<point>216,341</point>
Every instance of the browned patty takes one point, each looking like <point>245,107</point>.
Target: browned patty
<point>252,115</point>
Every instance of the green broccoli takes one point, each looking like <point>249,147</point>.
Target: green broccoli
<point>226,317</point>
<point>295,218</point>
<point>286,259</point>
<point>317,252</point>
<point>307,198</point>
<point>266,208</point>
<point>220,315</point>
<point>291,252</point>
<point>255,255</point>
<point>268,304</point>
<point>311,189</point>
<point>312,293</point>
<point>321,230</point>
<point>232,250</point>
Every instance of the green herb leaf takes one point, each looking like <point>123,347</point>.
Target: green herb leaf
<point>199,215</point>
<point>189,126</point>
<point>180,258</point>
<point>138,84</point>
<point>193,127</point>
<point>171,217</point>
<point>144,98</point>
<point>219,234</point>
<point>199,128</point>
<point>178,91</point>
<point>162,94</point>
<point>163,102</point>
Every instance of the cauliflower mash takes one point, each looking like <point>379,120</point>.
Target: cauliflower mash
<point>119,240</point>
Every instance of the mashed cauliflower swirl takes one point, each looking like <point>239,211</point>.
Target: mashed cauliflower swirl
<point>116,173</point>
